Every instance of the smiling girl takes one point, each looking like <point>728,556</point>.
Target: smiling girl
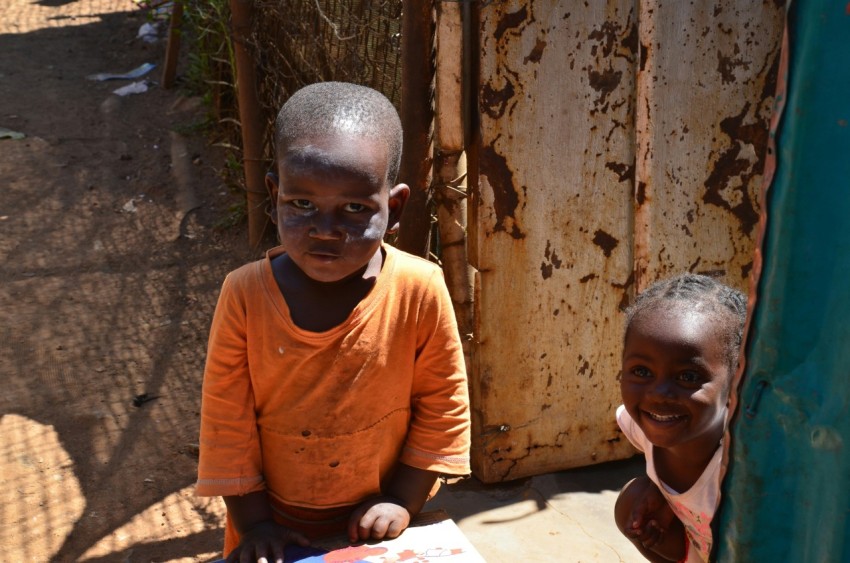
<point>680,351</point>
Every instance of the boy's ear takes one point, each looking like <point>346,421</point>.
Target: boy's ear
<point>398,197</point>
<point>271,186</point>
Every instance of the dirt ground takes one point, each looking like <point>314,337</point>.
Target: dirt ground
<point>110,263</point>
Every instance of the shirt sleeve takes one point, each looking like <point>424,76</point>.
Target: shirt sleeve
<point>230,459</point>
<point>439,436</point>
<point>630,429</point>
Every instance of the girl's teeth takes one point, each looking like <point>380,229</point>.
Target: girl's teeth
<point>663,418</point>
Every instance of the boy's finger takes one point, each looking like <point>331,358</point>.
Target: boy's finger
<point>354,525</point>
<point>296,537</point>
<point>379,528</point>
<point>277,552</point>
<point>250,555</point>
<point>395,529</point>
<point>362,527</point>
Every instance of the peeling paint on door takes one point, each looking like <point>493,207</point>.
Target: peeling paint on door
<point>552,231</point>
<point>704,95</point>
<point>611,155</point>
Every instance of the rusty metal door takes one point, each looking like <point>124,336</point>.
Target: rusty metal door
<point>620,142</point>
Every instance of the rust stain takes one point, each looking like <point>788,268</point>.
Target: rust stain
<point>604,82</point>
<point>726,66</point>
<point>716,273</point>
<point>495,102</point>
<point>626,298</point>
<point>693,266</point>
<point>644,55</point>
<point>640,193</point>
<point>729,166</point>
<point>587,278</point>
<point>511,21</point>
<point>606,35</point>
<point>631,41</point>
<point>605,241</point>
<point>625,172</point>
<point>552,256</point>
<point>553,262</point>
<point>505,197</point>
<point>769,88</point>
<point>536,53</point>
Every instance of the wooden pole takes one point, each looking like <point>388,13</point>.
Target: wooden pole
<point>172,51</point>
<point>250,114</point>
<point>417,72</point>
<point>450,177</point>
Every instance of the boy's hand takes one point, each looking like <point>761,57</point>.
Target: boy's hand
<point>378,518</point>
<point>264,543</point>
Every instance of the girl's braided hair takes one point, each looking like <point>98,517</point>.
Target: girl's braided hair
<point>725,304</point>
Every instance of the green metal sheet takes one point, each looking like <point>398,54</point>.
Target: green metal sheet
<point>786,496</point>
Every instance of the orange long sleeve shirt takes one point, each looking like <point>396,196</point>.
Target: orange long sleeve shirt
<point>319,420</point>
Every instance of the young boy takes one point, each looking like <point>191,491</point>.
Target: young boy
<point>334,392</point>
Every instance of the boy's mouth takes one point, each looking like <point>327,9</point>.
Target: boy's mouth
<point>323,254</point>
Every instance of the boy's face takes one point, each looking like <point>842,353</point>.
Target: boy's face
<point>333,205</point>
<point>675,378</point>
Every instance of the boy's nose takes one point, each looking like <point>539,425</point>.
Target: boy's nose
<point>325,226</point>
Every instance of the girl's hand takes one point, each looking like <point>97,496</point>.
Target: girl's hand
<point>264,543</point>
<point>655,526</point>
<point>378,518</point>
<point>651,517</point>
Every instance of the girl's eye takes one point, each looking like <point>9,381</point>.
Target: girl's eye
<point>641,372</point>
<point>301,204</point>
<point>354,207</point>
<point>690,377</point>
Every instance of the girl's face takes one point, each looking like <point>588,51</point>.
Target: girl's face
<point>675,377</point>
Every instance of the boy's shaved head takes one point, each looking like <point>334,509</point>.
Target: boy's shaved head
<point>328,108</point>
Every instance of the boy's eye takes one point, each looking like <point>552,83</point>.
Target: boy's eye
<point>641,372</point>
<point>354,207</point>
<point>301,203</point>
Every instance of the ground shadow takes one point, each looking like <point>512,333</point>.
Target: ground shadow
<point>107,292</point>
